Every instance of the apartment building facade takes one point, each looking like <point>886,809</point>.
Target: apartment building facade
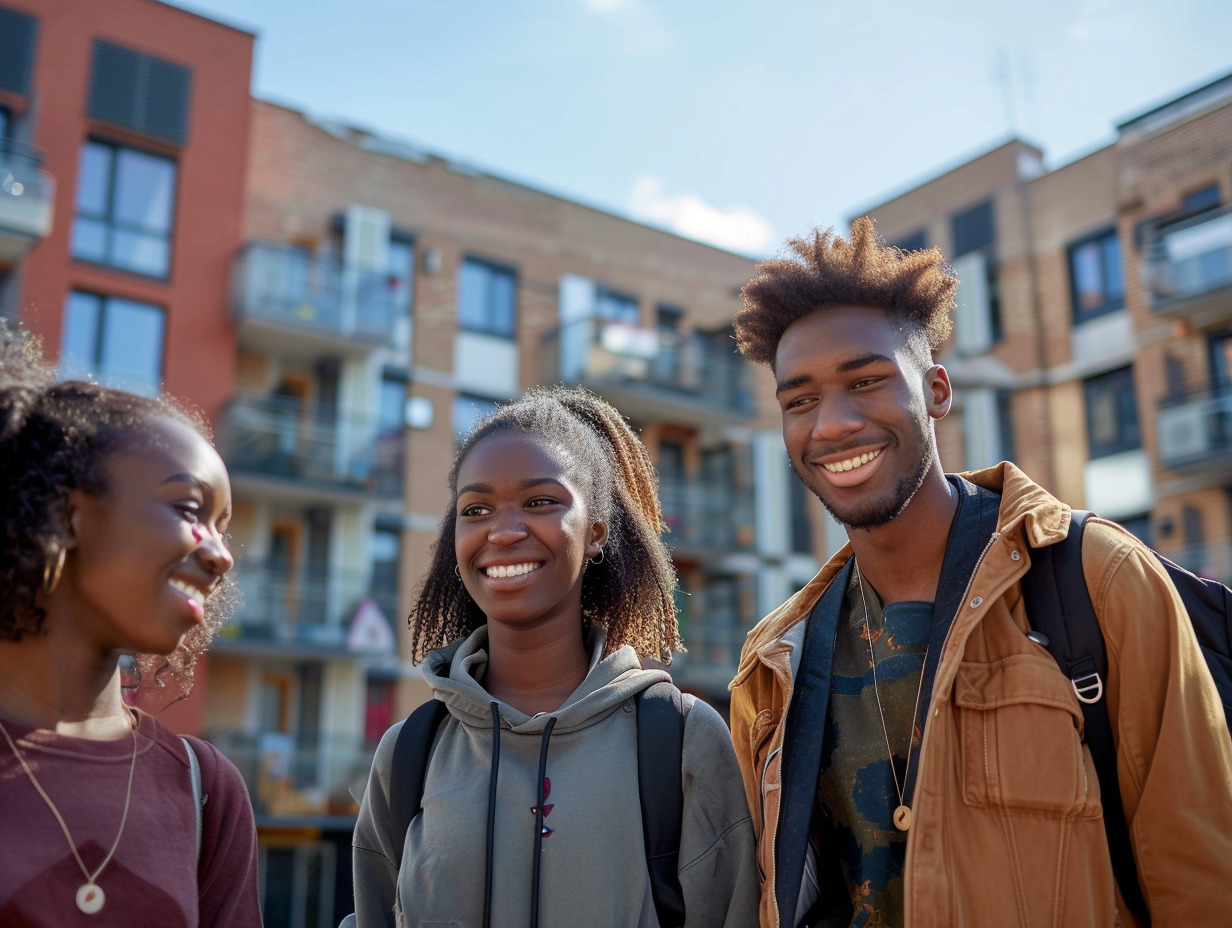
<point>384,298</point>
<point>1094,323</point>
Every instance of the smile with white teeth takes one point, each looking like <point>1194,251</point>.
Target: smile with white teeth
<point>852,463</point>
<point>188,590</point>
<point>509,570</point>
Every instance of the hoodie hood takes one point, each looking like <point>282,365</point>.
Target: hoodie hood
<point>456,676</point>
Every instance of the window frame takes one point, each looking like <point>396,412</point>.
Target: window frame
<point>1078,313</point>
<point>1127,439</point>
<point>96,366</point>
<point>108,218</point>
<point>488,327</point>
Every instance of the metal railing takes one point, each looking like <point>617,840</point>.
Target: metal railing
<point>306,605</point>
<point>290,287</point>
<point>703,514</point>
<point>1195,427</point>
<point>1190,258</point>
<point>280,436</point>
<point>297,775</point>
<point>693,366</point>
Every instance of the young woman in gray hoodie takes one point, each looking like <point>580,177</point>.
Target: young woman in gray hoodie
<point>548,584</point>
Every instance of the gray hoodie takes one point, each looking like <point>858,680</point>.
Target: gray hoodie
<point>592,858</point>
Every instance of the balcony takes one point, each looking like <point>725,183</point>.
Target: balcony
<point>1189,268</point>
<point>27,193</point>
<point>1195,430</point>
<point>283,438</point>
<point>288,301</point>
<point>296,776</point>
<point>706,519</point>
<point>652,374</point>
<point>285,607</point>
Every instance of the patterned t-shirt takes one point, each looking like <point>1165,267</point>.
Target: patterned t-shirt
<point>856,792</point>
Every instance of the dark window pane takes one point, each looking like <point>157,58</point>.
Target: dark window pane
<point>467,410</point>
<point>1221,359</point>
<point>4,122</point>
<point>120,342</point>
<point>616,306</point>
<point>79,339</point>
<point>1097,279</point>
<point>1205,198</point>
<point>144,190</point>
<point>1112,413</point>
<point>973,229</point>
<point>18,41</point>
<point>501,295</point>
<point>392,404</point>
<point>486,298</point>
<point>913,242</point>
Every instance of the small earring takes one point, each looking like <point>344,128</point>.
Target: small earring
<point>457,573</point>
<point>51,576</point>
<point>597,559</point>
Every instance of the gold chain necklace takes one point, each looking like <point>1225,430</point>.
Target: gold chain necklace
<point>902,814</point>
<point>90,896</point>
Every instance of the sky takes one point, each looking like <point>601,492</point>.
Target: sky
<point>734,123</point>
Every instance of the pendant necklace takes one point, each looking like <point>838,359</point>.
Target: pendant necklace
<point>90,896</point>
<point>902,814</point>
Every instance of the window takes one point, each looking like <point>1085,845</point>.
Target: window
<point>1096,279</point>
<point>1221,360</point>
<point>973,229</point>
<point>5,120</point>
<point>401,272</point>
<point>386,550</point>
<point>1112,413</point>
<point>616,306</point>
<point>913,242</point>
<point>1005,424</point>
<point>125,207</point>
<point>18,40</point>
<point>139,92</point>
<point>798,501</point>
<point>467,410</point>
<point>486,298</point>
<point>1198,200</point>
<point>118,341</point>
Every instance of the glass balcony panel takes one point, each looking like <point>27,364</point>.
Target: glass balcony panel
<point>1191,258</point>
<point>1195,429</point>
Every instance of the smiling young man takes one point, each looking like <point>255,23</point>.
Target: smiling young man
<point>911,757</point>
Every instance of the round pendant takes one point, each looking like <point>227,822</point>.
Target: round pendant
<point>902,818</point>
<point>90,898</point>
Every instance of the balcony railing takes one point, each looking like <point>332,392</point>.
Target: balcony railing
<point>297,776</point>
<point>682,367</point>
<point>1191,258</point>
<point>704,515</point>
<point>26,196</point>
<point>1195,429</point>
<point>292,289</point>
<point>280,436</point>
<point>284,603</point>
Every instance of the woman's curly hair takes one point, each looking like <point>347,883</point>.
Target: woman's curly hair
<point>56,438</point>
<point>629,592</point>
<point>822,270</point>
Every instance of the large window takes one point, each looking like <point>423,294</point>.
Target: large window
<point>973,229</point>
<point>916,241</point>
<point>117,341</point>
<point>616,306</point>
<point>1112,413</point>
<point>974,232</point>
<point>1096,278</point>
<point>1221,360</point>
<point>125,208</point>
<point>487,298</point>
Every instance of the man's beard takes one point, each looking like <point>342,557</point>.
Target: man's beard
<point>877,515</point>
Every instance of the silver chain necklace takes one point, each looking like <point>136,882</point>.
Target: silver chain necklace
<point>90,896</point>
<point>902,814</point>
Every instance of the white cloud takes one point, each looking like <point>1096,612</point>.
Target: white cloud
<point>736,229</point>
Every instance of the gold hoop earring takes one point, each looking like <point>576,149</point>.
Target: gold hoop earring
<point>51,575</point>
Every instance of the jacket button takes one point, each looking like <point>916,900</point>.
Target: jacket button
<point>975,603</point>
<point>1015,556</point>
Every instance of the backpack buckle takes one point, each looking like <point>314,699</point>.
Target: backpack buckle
<point>1088,688</point>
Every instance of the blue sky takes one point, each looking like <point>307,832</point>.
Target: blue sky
<point>735,123</point>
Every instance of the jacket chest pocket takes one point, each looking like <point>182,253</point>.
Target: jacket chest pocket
<point>1019,727</point>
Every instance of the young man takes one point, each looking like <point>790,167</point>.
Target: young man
<point>911,756</point>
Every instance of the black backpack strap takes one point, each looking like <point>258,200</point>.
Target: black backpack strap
<point>410,764</point>
<point>661,712</point>
<point>1063,620</point>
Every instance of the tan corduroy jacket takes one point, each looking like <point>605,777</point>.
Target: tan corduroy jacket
<point>1008,827</point>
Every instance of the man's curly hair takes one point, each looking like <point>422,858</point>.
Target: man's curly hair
<point>629,592</point>
<point>56,438</point>
<point>823,270</point>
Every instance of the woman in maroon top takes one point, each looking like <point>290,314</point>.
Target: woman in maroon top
<point>112,513</point>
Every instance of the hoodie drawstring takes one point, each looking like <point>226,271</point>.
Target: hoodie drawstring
<point>487,887</point>
<point>540,794</point>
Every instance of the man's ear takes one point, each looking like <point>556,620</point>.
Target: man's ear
<point>938,394</point>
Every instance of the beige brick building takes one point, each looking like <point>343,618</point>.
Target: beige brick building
<point>1093,340</point>
<point>384,298</point>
